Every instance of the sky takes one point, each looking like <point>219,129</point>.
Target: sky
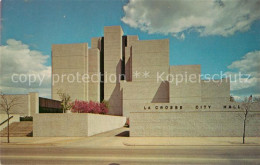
<point>221,35</point>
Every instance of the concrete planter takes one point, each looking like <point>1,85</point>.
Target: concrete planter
<point>68,111</point>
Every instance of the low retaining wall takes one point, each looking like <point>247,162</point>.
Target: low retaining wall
<point>74,124</point>
<point>193,123</point>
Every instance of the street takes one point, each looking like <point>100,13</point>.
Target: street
<point>36,154</point>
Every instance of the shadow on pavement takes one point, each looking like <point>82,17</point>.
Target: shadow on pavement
<point>123,134</point>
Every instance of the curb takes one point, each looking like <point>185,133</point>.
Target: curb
<point>129,144</point>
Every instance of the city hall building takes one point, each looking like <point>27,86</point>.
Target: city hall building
<point>135,77</point>
<point>129,72</point>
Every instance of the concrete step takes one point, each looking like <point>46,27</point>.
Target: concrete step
<point>18,129</point>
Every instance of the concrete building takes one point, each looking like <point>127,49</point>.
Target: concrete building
<point>135,77</point>
<point>25,105</point>
<point>128,72</point>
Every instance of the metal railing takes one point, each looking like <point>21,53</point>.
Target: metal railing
<point>6,120</point>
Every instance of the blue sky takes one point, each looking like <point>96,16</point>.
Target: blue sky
<point>41,23</point>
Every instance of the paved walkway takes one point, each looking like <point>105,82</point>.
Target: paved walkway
<point>190,141</point>
<point>114,147</point>
<point>120,132</point>
<point>119,139</point>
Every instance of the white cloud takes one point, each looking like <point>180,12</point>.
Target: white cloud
<point>208,17</point>
<point>248,66</point>
<point>238,98</point>
<point>243,83</point>
<point>180,36</point>
<point>17,58</point>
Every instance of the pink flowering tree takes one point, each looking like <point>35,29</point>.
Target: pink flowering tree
<point>79,106</point>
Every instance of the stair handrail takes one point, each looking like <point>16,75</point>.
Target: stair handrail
<point>6,120</point>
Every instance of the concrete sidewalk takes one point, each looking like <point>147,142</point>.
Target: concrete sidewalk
<point>118,138</point>
<point>44,141</point>
<point>190,141</point>
<point>124,142</point>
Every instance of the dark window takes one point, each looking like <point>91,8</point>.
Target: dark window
<point>124,44</point>
<point>102,70</point>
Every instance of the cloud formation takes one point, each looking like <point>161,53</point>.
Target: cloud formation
<point>250,66</point>
<point>18,59</point>
<point>208,17</point>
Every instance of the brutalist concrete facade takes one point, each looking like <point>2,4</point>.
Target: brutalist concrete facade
<point>201,120</point>
<point>135,77</point>
<point>129,72</point>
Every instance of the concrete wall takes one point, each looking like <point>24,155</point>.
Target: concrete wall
<point>69,59</point>
<point>28,104</point>
<point>201,106</point>
<point>215,91</point>
<point>34,103</point>
<point>112,66</point>
<point>128,57</point>
<point>3,117</point>
<point>149,56</point>
<point>74,124</point>
<point>128,63</point>
<point>135,93</point>
<point>102,123</point>
<point>185,86</point>
<point>94,72</point>
<point>22,108</point>
<point>138,105</point>
<point>182,122</point>
<point>96,43</point>
<point>77,60</point>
